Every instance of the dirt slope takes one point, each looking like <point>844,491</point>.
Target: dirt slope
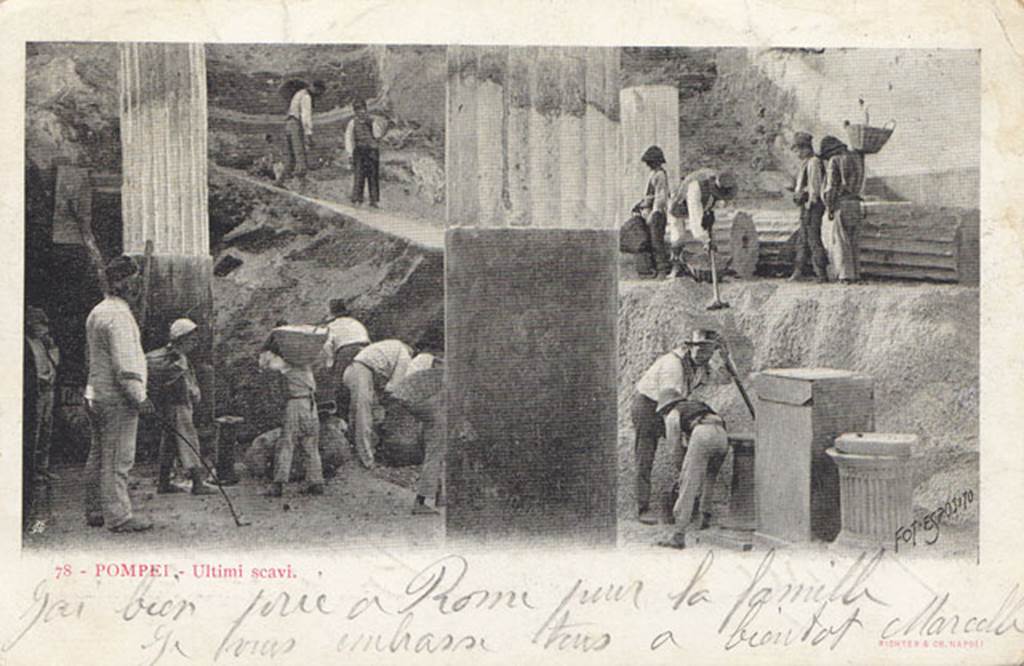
<point>919,342</point>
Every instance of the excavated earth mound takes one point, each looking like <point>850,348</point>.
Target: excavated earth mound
<point>920,343</point>
<point>282,256</point>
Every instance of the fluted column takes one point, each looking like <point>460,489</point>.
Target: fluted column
<point>531,292</point>
<point>164,190</point>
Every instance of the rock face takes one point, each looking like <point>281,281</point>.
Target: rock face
<point>920,344</point>
<point>295,256</point>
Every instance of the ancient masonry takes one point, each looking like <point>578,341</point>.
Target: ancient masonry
<point>532,149</point>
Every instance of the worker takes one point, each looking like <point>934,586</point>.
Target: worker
<point>654,207</point>
<point>810,182</point>
<point>378,367</point>
<point>362,142</point>
<point>346,337</point>
<point>422,393</point>
<point>685,368</point>
<point>115,396</point>
<point>42,358</point>
<point>844,179</point>
<point>175,391</point>
<point>703,430</point>
<point>692,210</point>
<point>298,129</point>
<point>300,423</point>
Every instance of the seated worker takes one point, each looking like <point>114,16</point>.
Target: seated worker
<point>300,422</point>
<point>174,390</point>
<point>708,443</point>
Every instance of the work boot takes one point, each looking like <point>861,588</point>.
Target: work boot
<point>677,540</point>
<point>199,487</point>
<point>420,508</point>
<point>164,485</point>
<point>374,204</point>
<point>315,489</point>
<point>795,277</point>
<point>647,517</point>
<point>133,524</point>
<point>94,520</point>
<point>705,521</point>
<point>275,490</point>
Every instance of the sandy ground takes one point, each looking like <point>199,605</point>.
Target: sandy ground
<point>358,510</point>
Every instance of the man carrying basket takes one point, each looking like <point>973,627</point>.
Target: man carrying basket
<point>292,351</point>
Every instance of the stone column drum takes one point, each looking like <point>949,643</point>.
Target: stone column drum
<point>531,297</point>
<point>876,486</point>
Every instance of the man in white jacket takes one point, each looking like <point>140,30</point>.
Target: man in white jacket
<point>298,129</point>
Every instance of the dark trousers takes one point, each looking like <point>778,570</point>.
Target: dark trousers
<point>295,143</point>
<point>808,241</point>
<point>366,172</point>
<point>649,429</point>
<point>656,258</point>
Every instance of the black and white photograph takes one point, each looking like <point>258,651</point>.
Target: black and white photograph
<point>504,333</point>
<point>234,260</point>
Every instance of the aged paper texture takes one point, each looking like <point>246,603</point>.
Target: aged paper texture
<point>451,332</point>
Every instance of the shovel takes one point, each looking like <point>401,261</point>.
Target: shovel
<point>718,303</point>
<point>166,426</point>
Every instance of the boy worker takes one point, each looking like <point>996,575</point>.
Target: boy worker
<point>175,392</point>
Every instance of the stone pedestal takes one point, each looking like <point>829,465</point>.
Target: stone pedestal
<point>800,412</point>
<point>227,443</point>
<point>876,487</point>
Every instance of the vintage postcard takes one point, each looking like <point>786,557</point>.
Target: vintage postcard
<point>482,333</point>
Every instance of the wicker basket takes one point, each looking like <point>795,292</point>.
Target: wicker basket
<point>867,139</point>
<point>300,345</point>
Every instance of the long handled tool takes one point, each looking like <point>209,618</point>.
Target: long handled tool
<point>731,369</point>
<point>167,426</point>
<point>718,303</point>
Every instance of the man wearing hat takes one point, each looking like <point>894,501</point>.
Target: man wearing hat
<point>844,179</point>
<point>115,395</point>
<point>175,391</point>
<point>807,194</point>
<point>42,357</point>
<point>298,128</point>
<point>707,444</point>
<point>691,209</point>
<point>684,370</point>
<point>655,207</point>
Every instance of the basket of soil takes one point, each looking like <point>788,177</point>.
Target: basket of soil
<point>868,139</point>
<point>299,344</point>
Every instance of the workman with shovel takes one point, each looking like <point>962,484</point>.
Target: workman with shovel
<point>683,370</point>
<point>174,390</point>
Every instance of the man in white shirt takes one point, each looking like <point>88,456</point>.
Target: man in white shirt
<point>346,337</point>
<point>115,396</point>
<point>684,369</point>
<point>298,129</point>
<point>691,210</point>
<point>379,366</point>
<point>301,422</point>
<point>807,194</point>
